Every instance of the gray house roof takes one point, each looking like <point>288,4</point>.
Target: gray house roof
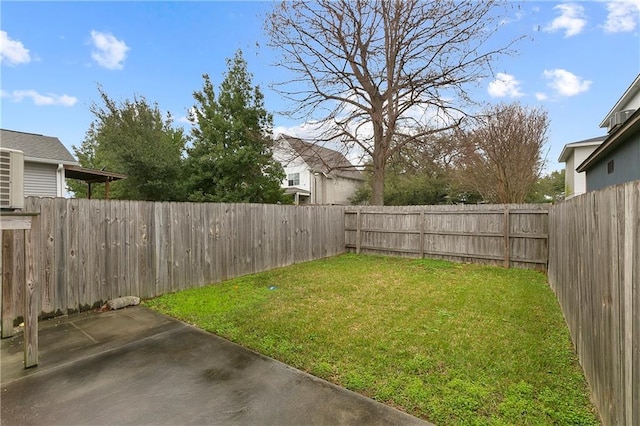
<point>323,159</point>
<point>37,148</point>
<point>568,148</point>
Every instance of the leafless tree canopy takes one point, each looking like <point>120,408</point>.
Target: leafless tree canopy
<point>375,71</point>
<point>503,157</point>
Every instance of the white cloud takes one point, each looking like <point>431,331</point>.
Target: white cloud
<point>39,99</point>
<point>505,85</point>
<point>12,51</point>
<point>308,130</point>
<point>571,20</point>
<point>623,16</point>
<point>109,52</point>
<point>566,83</point>
<point>541,96</point>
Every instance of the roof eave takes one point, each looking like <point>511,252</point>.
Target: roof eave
<point>617,137</point>
<point>629,93</point>
<point>51,161</point>
<point>570,147</point>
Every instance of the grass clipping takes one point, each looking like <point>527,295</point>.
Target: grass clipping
<point>450,343</point>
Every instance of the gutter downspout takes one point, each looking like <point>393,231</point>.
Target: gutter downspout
<point>60,181</point>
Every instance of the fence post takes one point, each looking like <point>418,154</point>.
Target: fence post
<point>507,248</point>
<point>358,233</point>
<point>421,235</point>
<point>20,222</point>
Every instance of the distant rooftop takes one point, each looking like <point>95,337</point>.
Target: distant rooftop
<point>568,148</point>
<point>323,159</point>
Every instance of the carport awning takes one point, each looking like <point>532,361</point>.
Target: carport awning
<point>91,175</point>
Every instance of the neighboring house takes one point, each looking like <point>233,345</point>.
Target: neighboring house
<point>573,154</point>
<point>315,174</point>
<point>47,163</point>
<point>45,158</point>
<point>617,159</point>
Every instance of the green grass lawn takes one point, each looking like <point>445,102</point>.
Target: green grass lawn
<point>450,343</point>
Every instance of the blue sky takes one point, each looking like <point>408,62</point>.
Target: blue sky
<point>577,59</point>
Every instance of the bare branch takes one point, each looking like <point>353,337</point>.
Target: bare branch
<point>364,67</point>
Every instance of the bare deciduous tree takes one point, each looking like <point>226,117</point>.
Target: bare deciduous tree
<point>503,156</point>
<point>379,73</point>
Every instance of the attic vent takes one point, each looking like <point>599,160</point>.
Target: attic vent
<point>619,117</point>
<point>11,179</point>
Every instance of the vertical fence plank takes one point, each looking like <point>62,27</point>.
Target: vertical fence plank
<point>31,305</point>
<point>8,312</point>
<point>18,272</point>
<point>113,248</point>
<point>132,257</point>
<point>161,244</point>
<point>48,256</point>
<point>61,252</point>
<point>145,253</point>
<point>72,257</point>
<point>97,238</point>
<point>358,230</point>
<point>84,255</point>
<point>123,245</point>
<point>507,246</point>
<point>593,269</point>
<point>93,250</point>
<point>512,235</point>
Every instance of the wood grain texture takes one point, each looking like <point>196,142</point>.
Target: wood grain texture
<point>31,296</point>
<point>594,253</point>
<point>90,251</point>
<point>8,309</point>
<point>507,235</point>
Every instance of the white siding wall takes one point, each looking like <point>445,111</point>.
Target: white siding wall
<point>323,190</point>
<point>341,190</point>
<point>577,181</point>
<point>298,167</point>
<point>579,155</point>
<point>633,103</point>
<point>292,164</point>
<point>570,177</point>
<point>40,179</point>
<point>580,179</point>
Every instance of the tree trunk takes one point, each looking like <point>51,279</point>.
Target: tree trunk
<point>377,183</point>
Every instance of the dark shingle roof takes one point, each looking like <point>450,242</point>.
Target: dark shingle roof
<point>323,159</point>
<point>36,146</point>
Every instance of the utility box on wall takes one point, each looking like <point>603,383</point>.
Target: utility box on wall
<point>11,179</point>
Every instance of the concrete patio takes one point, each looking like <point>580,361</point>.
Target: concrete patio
<point>137,367</point>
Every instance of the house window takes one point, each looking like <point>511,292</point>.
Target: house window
<point>610,167</point>
<point>293,179</point>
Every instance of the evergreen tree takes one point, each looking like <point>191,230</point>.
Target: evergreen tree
<point>231,157</point>
<point>135,139</point>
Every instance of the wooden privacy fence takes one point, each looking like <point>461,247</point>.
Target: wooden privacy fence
<point>94,250</point>
<point>594,269</point>
<point>506,235</point>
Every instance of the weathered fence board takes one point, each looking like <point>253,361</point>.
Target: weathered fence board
<point>89,251</point>
<point>594,258</point>
<point>20,259</point>
<point>508,235</point>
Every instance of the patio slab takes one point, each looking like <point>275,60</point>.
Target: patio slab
<point>137,367</point>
